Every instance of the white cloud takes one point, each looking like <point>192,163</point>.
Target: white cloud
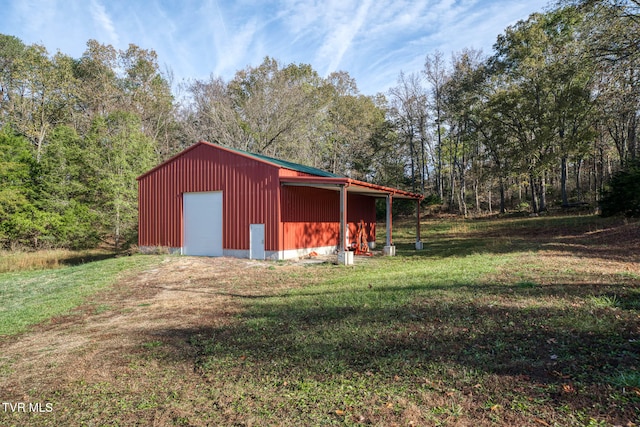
<point>30,17</point>
<point>323,32</point>
<point>102,19</point>
<point>35,15</point>
<point>231,51</point>
<point>400,34</point>
<point>373,40</point>
<point>301,17</point>
<point>341,34</point>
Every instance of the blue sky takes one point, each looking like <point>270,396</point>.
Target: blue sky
<point>372,40</point>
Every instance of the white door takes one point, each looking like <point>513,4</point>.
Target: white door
<point>256,241</point>
<point>202,219</point>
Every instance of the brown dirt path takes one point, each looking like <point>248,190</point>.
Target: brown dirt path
<point>92,343</point>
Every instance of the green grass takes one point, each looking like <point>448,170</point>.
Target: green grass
<point>421,337</point>
<point>405,334</point>
<point>496,322</point>
<point>31,297</point>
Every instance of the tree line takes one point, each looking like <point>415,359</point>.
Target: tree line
<point>546,119</point>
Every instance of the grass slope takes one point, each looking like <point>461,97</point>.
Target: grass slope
<point>31,297</point>
<point>488,325</point>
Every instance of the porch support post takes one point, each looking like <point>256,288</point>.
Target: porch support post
<point>345,257</point>
<point>389,249</point>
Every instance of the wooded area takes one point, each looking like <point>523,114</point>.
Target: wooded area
<point>546,119</point>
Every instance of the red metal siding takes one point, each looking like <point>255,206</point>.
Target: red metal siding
<point>359,208</point>
<point>294,217</point>
<point>249,191</point>
<point>311,216</point>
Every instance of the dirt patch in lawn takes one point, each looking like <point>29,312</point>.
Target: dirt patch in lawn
<point>94,343</point>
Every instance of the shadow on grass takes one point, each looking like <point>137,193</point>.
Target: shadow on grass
<point>611,238</point>
<point>87,258</point>
<point>564,353</point>
<point>445,247</point>
<point>609,295</point>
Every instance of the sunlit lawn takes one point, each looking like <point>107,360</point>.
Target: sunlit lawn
<point>495,322</point>
<point>492,323</point>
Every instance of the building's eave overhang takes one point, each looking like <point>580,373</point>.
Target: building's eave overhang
<point>351,185</point>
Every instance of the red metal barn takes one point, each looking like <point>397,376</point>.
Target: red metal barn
<point>215,201</point>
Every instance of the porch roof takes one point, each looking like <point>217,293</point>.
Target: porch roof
<point>351,186</point>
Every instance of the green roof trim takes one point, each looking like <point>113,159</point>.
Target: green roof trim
<point>288,165</point>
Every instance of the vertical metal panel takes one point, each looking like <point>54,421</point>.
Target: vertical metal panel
<point>362,208</point>
<point>249,190</point>
<point>311,216</point>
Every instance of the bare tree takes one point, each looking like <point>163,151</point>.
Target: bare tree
<point>408,103</point>
<point>436,72</point>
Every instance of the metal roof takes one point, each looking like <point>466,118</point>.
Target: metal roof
<point>259,157</point>
<point>285,164</point>
<point>319,178</point>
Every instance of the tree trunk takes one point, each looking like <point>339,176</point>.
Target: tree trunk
<point>439,183</point>
<point>600,176</point>
<point>413,166</point>
<point>116,237</point>
<point>534,203</point>
<point>502,198</point>
<point>462,203</point>
<point>519,191</point>
<point>578,170</point>
<point>542,205</point>
<point>563,181</point>
<point>424,169</point>
<point>477,194</point>
<point>452,189</point>
<point>633,137</point>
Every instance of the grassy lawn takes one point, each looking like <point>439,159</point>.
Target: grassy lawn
<point>507,322</point>
<point>34,296</point>
<point>473,330</point>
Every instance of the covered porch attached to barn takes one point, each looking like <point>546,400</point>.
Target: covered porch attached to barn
<point>349,190</point>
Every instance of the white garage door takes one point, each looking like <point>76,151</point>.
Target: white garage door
<point>202,223</point>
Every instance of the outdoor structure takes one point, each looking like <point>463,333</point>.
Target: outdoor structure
<point>216,201</point>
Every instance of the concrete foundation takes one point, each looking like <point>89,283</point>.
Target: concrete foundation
<point>419,246</point>
<point>389,251</point>
<point>345,258</point>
